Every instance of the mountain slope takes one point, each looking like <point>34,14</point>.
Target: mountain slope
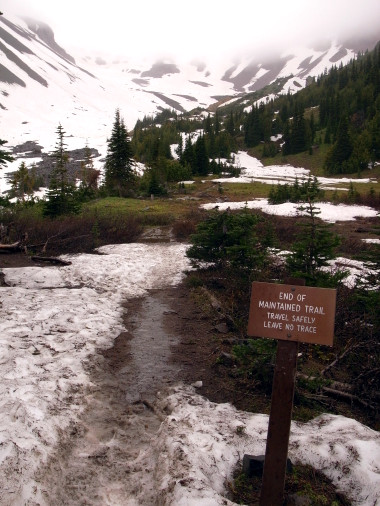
<point>41,85</point>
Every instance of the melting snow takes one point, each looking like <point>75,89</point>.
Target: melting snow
<point>54,319</point>
<point>328,212</point>
<point>253,170</point>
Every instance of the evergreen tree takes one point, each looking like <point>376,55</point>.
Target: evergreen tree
<point>340,151</point>
<point>154,187</point>
<point>297,133</point>
<point>89,176</point>
<point>229,240</point>
<point>61,196</point>
<point>179,149</point>
<point>119,174</point>
<point>286,148</point>
<point>216,123</point>
<point>61,157</point>
<point>208,125</point>
<point>315,244</point>
<point>360,156</point>
<point>223,145</point>
<point>202,162</point>
<point>374,129</point>
<point>252,128</point>
<point>22,183</point>
<point>211,144</point>
<point>188,155</point>
<point>312,126</point>
<point>4,155</point>
<point>230,125</point>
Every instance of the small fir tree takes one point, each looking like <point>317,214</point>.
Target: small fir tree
<point>61,196</point>
<point>179,148</point>
<point>119,174</point>
<point>315,245</point>
<point>340,151</point>
<point>229,240</point>
<point>188,154</point>
<point>89,176</point>
<point>22,183</point>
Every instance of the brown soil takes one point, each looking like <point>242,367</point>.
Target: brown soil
<point>199,344</point>
<point>15,260</point>
<point>202,350</point>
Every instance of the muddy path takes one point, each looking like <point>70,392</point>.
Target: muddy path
<point>97,463</point>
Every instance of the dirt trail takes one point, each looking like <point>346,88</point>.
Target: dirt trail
<point>98,462</point>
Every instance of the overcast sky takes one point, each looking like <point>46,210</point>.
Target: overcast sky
<point>198,28</point>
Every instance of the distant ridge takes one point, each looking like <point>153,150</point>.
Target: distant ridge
<point>42,85</point>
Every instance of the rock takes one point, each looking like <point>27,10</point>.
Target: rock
<point>222,328</point>
<point>197,384</point>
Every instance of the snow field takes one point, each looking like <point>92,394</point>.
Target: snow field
<point>53,321</point>
<point>200,444</point>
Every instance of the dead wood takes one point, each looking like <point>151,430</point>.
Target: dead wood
<point>340,357</point>
<point>340,390</point>
<point>15,247</point>
<point>337,385</point>
<point>218,307</point>
<point>347,397</point>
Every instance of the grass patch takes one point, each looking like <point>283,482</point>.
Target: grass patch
<point>158,212</point>
<point>245,191</point>
<point>144,207</point>
<point>313,162</point>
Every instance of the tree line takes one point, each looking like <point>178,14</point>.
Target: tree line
<point>341,108</point>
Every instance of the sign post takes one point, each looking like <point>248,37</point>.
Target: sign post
<point>291,313</point>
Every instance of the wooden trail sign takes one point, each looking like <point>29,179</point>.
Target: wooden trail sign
<point>291,313</point>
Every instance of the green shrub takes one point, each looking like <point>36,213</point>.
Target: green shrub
<point>229,240</point>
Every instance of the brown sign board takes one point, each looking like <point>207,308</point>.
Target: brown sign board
<point>292,313</point>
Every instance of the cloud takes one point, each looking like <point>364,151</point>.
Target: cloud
<point>201,28</point>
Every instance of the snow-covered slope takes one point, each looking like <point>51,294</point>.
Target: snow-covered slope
<point>41,85</point>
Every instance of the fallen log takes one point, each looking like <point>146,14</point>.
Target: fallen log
<point>52,260</point>
<point>15,247</point>
<point>348,397</point>
<point>337,385</point>
<point>343,391</point>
